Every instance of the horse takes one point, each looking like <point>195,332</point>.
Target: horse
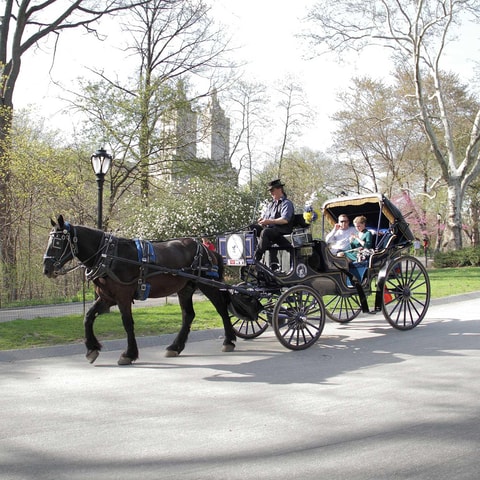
<point>123,270</point>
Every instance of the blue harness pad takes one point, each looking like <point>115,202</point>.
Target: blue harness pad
<point>146,254</point>
<point>145,251</point>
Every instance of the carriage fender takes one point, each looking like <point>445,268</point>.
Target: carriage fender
<point>324,285</point>
<point>381,279</point>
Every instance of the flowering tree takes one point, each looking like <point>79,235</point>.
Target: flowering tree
<point>206,208</point>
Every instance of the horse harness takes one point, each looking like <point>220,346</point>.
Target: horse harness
<point>203,264</point>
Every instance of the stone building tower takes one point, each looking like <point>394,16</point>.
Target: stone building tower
<point>218,133</point>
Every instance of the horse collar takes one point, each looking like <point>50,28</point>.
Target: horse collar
<point>105,254</point>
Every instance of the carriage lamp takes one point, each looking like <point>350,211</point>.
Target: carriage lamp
<point>101,161</point>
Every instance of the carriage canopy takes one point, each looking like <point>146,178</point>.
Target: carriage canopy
<point>381,214</point>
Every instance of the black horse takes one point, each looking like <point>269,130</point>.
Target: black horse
<point>123,270</point>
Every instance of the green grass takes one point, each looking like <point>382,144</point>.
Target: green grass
<point>40,332</point>
<point>454,281</point>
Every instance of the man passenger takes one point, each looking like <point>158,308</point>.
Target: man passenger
<point>338,239</point>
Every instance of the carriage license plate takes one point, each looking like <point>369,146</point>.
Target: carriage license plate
<point>236,262</point>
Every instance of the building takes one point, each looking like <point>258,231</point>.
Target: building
<point>218,133</point>
<point>195,142</point>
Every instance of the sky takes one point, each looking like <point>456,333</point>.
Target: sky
<point>265,30</point>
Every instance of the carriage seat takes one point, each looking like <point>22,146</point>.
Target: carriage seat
<point>381,249</point>
<point>325,260</point>
<point>376,259</point>
<point>299,237</point>
<point>385,240</point>
<point>292,242</point>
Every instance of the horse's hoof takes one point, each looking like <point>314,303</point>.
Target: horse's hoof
<point>171,353</point>
<point>228,348</point>
<point>124,360</point>
<point>92,355</point>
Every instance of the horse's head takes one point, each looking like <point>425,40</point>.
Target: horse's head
<point>61,248</point>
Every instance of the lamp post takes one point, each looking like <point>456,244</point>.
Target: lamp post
<point>101,162</point>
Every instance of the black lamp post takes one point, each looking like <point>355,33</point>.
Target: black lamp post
<point>101,162</point>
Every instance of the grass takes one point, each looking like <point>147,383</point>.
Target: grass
<point>454,281</point>
<point>68,329</point>
<point>41,332</point>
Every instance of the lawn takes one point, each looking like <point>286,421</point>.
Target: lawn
<point>454,281</point>
<point>41,332</point>
<point>19,334</point>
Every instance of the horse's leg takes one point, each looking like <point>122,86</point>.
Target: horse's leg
<point>220,299</point>
<point>93,345</point>
<point>188,314</point>
<point>131,353</point>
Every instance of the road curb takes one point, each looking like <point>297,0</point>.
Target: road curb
<point>154,341</point>
<point>108,346</point>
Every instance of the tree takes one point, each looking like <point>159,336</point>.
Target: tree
<point>46,178</point>
<point>24,24</point>
<point>150,119</point>
<point>419,34</point>
<point>248,103</point>
<point>308,175</point>
<point>381,141</point>
<point>294,113</point>
<point>172,41</point>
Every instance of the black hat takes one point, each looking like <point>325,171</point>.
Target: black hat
<point>275,184</point>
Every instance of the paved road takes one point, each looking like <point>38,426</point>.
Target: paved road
<point>366,402</point>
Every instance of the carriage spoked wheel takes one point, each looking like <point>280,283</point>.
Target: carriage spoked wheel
<point>299,317</point>
<point>406,293</point>
<point>342,309</point>
<point>246,328</point>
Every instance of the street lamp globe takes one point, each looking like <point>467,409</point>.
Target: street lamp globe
<point>101,161</point>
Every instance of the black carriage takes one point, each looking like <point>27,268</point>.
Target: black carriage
<point>315,284</point>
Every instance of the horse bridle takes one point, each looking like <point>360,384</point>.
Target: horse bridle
<point>62,240</point>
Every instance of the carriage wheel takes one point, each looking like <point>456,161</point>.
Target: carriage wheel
<point>342,309</point>
<point>299,317</point>
<point>406,293</point>
<point>248,329</point>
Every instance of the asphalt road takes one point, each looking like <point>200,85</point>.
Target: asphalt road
<point>366,402</point>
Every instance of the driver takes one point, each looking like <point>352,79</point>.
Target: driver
<point>276,222</point>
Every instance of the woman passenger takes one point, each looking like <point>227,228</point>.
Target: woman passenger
<point>362,239</point>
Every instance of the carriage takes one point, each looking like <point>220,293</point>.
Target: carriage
<point>295,301</point>
<point>314,284</point>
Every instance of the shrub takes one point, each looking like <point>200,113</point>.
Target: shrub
<point>466,257</point>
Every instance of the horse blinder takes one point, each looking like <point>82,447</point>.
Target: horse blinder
<point>60,242</point>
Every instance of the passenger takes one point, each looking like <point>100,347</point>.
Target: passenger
<point>276,222</point>
<point>339,238</point>
<point>208,243</point>
<point>361,240</point>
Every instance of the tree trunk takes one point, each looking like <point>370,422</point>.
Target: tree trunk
<point>453,224</point>
<point>475,211</point>
<point>7,242</point>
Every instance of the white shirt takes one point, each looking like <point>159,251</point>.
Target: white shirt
<point>339,239</point>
